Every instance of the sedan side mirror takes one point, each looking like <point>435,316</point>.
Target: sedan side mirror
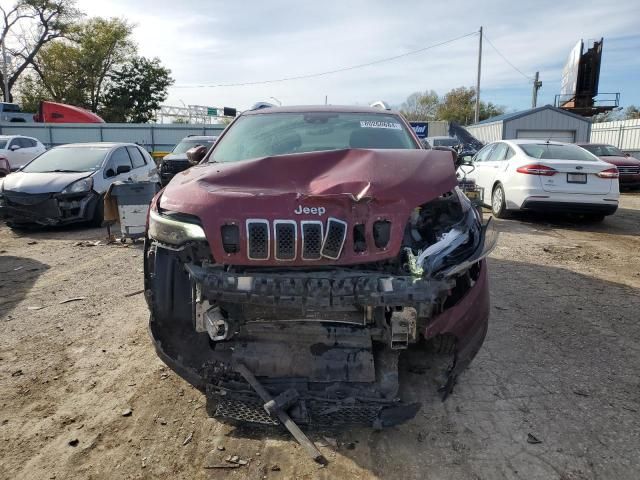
<point>627,154</point>
<point>13,148</point>
<point>196,154</point>
<point>123,169</point>
<point>110,173</point>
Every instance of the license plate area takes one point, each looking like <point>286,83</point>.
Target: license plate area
<point>576,178</point>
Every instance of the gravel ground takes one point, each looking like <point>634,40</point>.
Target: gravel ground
<point>553,394</point>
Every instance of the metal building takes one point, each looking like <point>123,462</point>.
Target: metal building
<point>544,123</point>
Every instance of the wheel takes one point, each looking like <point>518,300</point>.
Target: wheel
<point>98,213</point>
<point>123,239</point>
<point>498,203</point>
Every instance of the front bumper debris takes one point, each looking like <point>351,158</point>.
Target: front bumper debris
<point>48,208</point>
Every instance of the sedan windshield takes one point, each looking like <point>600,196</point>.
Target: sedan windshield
<point>265,135</point>
<point>604,150</point>
<point>68,159</point>
<point>185,145</point>
<point>552,151</point>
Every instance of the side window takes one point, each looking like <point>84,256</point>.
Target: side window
<point>510,153</point>
<point>120,157</point>
<point>136,157</point>
<point>27,143</point>
<point>498,153</point>
<point>482,155</point>
<point>15,143</point>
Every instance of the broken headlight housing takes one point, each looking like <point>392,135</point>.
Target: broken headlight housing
<point>174,229</point>
<point>446,236</point>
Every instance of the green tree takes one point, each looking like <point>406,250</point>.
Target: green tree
<point>421,106</point>
<point>76,70</point>
<point>458,105</point>
<point>136,91</point>
<point>27,27</point>
<point>631,112</point>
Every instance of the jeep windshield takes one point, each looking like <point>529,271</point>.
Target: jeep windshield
<point>265,135</point>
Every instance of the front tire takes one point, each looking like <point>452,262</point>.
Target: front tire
<point>498,202</point>
<point>98,213</point>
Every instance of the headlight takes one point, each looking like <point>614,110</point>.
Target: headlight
<point>172,231</point>
<point>80,186</point>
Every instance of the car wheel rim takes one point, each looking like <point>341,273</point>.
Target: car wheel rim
<point>497,200</point>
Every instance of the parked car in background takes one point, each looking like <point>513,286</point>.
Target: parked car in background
<point>20,150</point>
<point>323,243</point>
<point>11,112</point>
<point>67,184</point>
<point>628,166</point>
<point>177,161</point>
<point>441,141</point>
<point>545,176</point>
<point>5,168</point>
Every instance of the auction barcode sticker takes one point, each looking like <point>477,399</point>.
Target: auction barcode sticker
<point>378,124</point>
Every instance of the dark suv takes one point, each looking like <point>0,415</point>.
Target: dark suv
<point>177,161</point>
<point>306,252</point>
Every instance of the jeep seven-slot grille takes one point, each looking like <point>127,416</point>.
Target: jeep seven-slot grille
<point>285,239</point>
<point>334,238</point>
<point>311,240</point>
<point>258,239</point>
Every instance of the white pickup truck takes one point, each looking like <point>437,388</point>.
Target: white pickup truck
<point>11,112</point>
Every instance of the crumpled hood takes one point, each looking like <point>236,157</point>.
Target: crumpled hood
<point>49,182</point>
<point>354,185</point>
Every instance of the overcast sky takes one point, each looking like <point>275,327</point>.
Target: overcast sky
<point>222,42</point>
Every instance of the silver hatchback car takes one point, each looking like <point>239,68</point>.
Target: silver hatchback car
<point>67,184</point>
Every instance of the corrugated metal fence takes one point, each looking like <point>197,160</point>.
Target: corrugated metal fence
<point>153,137</point>
<point>624,134</point>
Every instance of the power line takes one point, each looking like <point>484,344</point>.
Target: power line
<point>330,72</point>
<point>507,60</point>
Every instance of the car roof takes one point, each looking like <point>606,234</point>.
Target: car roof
<point>99,144</point>
<point>528,141</point>
<point>7,137</point>
<point>596,144</point>
<point>319,108</point>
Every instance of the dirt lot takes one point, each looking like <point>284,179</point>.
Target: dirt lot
<point>560,363</point>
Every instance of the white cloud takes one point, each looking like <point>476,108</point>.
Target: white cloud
<point>223,42</point>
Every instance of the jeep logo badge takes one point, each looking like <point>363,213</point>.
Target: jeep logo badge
<point>310,210</point>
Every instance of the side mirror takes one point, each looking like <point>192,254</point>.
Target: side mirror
<point>123,169</point>
<point>13,148</point>
<point>110,173</point>
<point>627,154</point>
<point>425,144</point>
<point>467,160</point>
<point>196,154</point>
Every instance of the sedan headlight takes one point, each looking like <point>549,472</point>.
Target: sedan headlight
<point>80,186</point>
<point>172,231</point>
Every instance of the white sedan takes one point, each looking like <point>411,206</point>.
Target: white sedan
<point>545,176</point>
<point>20,150</point>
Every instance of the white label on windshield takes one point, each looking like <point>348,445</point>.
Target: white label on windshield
<point>377,124</point>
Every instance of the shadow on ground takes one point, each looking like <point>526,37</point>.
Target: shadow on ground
<point>17,276</point>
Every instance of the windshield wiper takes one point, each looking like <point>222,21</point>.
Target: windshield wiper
<point>62,170</point>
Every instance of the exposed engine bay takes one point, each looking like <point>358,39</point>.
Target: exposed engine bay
<point>324,341</point>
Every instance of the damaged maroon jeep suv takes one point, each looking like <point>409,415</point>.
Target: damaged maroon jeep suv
<point>292,267</point>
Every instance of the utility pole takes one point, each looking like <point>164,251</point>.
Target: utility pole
<point>476,117</point>
<point>5,73</point>
<point>536,86</point>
